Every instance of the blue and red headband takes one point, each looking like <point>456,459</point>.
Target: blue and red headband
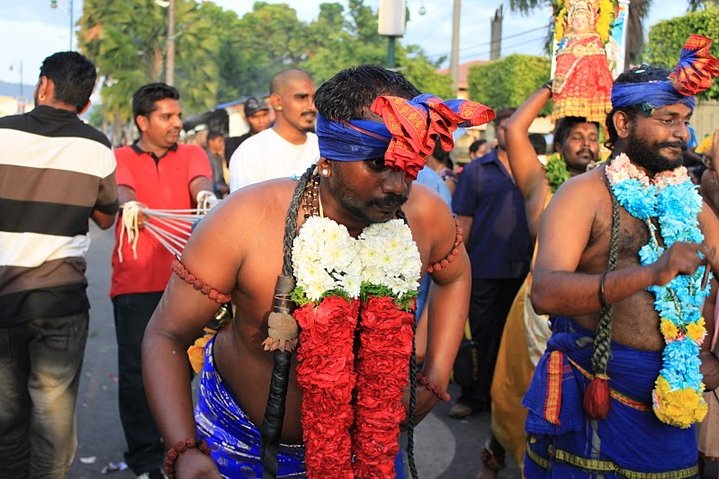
<point>693,74</point>
<point>407,133</point>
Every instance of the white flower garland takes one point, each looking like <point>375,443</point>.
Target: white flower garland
<point>326,258</point>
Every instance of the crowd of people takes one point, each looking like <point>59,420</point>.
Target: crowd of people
<point>578,289</point>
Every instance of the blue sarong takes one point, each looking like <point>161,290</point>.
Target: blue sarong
<point>631,442</point>
<point>233,439</point>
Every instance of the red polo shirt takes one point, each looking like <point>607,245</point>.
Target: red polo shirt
<point>159,183</point>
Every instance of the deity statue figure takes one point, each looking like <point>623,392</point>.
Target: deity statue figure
<point>582,79</point>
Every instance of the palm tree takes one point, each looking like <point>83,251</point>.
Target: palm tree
<point>638,11</point>
<point>126,40</point>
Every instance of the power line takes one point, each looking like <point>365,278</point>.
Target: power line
<point>491,43</point>
<point>487,52</point>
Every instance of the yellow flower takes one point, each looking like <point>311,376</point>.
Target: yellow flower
<point>669,330</point>
<point>196,352</point>
<point>697,331</point>
<point>680,408</point>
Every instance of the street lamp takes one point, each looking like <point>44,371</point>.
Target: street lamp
<point>21,98</point>
<point>54,4</point>
<point>391,24</point>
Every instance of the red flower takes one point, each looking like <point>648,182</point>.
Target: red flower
<point>328,375</point>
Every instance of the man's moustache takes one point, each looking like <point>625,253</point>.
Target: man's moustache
<point>587,152</point>
<point>673,144</point>
<point>392,201</point>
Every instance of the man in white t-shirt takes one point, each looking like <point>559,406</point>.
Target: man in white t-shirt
<point>289,147</point>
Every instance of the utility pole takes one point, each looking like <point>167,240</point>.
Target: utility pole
<point>72,24</point>
<point>454,56</point>
<point>170,58</point>
<point>495,50</point>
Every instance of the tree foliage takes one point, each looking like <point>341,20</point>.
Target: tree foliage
<point>666,39</point>
<point>507,82</point>
<point>126,40</point>
<point>222,57</point>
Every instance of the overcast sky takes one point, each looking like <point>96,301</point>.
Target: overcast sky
<point>30,30</point>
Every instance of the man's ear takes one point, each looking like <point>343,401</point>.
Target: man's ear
<point>622,123</point>
<point>45,89</point>
<point>142,122</point>
<point>324,168</point>
<point>276,102</point>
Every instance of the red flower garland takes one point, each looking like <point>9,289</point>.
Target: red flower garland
<point>385,336</point>
<point>325,373</point>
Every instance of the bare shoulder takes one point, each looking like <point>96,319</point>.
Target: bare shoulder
<point>432,222</point>
<point>587,184</point>
<point>425,207</point>
<point>237,226</point>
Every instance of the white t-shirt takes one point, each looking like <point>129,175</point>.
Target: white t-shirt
<point>267,155</point>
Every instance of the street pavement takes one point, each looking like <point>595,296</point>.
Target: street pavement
<point>444,448</point>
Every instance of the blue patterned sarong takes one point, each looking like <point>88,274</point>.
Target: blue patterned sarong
<point>630,443</point>
<point>233,439</point>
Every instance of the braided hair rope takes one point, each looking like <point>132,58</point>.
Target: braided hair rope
<point>275,409</point>
<point>602,347</point>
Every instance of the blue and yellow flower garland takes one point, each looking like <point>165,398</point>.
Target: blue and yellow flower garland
<point>673,200</point>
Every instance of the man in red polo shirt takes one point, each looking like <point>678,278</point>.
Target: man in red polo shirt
<point>161,174</point>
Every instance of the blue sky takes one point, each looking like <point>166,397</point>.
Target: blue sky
<point>30,30</point>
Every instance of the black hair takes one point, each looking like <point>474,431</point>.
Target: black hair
<point>442,156</point>
<point>539,143</point>
<point>349,93</point>
<point>503,114</point>
<point>640,74</point>
<point>564,127</point>
<point>212,134</point>
<point>474,147</point>
<point>144,99</point>
<point>73,75</point>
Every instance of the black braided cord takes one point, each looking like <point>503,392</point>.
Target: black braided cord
<point>601,351</point>
<point>275,410</point>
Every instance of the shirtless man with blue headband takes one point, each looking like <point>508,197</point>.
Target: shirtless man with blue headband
<point>623,268</point>
<point>374,131</point>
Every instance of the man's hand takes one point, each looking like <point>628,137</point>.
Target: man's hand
<point>132,214</point>
<point>193,464</point>
<point>682,258</point>
<point>426,400</point>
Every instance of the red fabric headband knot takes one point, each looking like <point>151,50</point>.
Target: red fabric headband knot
<point>414,125</point>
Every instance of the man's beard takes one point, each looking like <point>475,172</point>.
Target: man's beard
<point>648,156</point>
<point>364,210</point>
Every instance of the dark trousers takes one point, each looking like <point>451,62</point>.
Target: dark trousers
<point>489,305</point>
<point>145,450</point>
<point>40,365</point>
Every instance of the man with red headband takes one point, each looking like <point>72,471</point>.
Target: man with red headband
<point>349,242</point>
<point>622,269</point>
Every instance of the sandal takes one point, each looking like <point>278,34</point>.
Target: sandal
<point>491,460</point>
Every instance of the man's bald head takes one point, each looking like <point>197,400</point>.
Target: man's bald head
<point>280,81</point>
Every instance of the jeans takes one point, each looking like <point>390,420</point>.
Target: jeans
<point>489,305</point>
<point>40,365</point>
<point>145,450</point>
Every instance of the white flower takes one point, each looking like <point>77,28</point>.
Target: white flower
<point>326,257</point>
